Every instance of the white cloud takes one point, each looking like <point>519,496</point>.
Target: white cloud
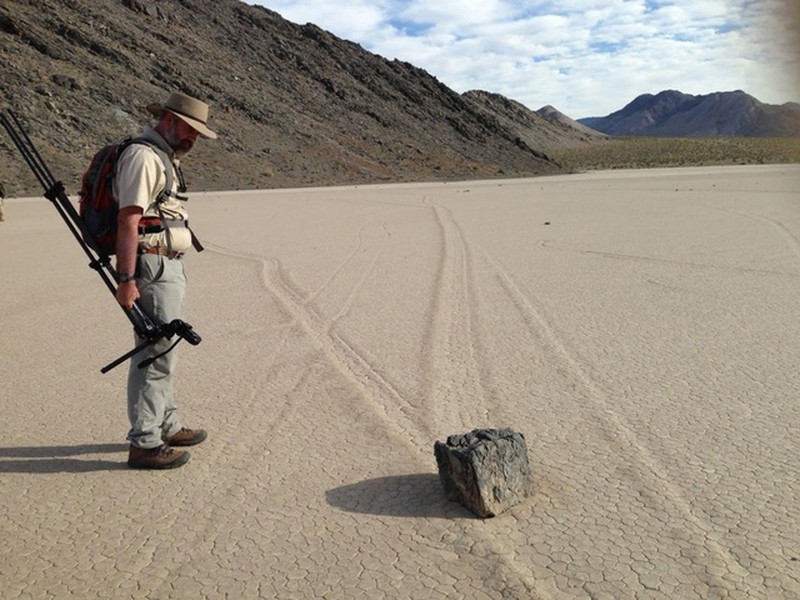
<point>453,15</point>
<point>585,57</point>
<point>350,19</point>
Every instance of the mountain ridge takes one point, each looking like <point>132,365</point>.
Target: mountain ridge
<point>671,113</point>
<point>294,104</point>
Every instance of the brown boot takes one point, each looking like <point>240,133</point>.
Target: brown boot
<point>162,457</point>
<point>186,437</point>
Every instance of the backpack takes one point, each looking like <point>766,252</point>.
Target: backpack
<point>98,208</point>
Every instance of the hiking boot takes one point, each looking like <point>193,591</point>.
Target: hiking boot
<point>185,437</point>
<point>162,457</point>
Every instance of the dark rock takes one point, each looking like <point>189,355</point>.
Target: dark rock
<point>65,82</point>
<point>486,470</point>
<point>8,25</point>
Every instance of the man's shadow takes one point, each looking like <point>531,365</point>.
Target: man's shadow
<point>419,495</point>
<point>59,459</point>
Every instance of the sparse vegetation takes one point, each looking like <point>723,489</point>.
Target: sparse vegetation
<point>650,152</point>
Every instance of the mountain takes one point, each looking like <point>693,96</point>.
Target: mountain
<point>673,114</point>
<point>554,116</point>
<point>294,105</point>
<point>545,128</point>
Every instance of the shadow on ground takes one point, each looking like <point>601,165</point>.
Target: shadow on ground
<point>58,459</point>
<point>419,495</point>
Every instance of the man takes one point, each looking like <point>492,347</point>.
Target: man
<point>2,196</point>
<point>152,236</point>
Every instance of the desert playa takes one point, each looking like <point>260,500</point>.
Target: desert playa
<point>640,328</point>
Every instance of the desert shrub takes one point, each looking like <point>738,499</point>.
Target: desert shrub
<point>651,152</point>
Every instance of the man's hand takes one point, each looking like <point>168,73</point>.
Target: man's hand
<point>127,294</point>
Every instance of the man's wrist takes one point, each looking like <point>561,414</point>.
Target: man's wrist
<point>125,278</point>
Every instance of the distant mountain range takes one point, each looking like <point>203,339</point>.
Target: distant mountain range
<point>675,114</point>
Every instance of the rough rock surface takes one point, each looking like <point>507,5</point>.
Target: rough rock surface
<point>486,470</point>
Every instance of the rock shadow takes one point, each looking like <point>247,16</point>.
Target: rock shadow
<point>419,495</point>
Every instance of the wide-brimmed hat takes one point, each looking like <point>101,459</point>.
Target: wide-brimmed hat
<point>191,110</point>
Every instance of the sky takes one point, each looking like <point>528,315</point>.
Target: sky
<point>587,58</point>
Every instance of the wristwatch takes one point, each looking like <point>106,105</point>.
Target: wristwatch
<point>125,277</point>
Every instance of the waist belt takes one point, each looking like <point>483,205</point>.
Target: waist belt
<point>161,252</point>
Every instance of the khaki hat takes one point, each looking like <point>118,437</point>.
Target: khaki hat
<point>191,110</point>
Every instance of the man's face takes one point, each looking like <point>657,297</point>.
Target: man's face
<point>179,135</point>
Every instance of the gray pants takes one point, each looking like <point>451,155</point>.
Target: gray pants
<point>151,400</point>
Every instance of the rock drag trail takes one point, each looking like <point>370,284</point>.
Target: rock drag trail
<point>638,327</point>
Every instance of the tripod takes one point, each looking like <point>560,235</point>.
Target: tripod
<point>145,326</point>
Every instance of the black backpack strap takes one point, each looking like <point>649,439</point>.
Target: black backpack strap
<point>195,242</point>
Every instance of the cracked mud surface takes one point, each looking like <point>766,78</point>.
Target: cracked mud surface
<point>644,341</point>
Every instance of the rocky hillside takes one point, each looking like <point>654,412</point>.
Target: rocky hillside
<point>587,134</point>
<point>674,114</point>
<point>294,105</point>
<point>546,128</point>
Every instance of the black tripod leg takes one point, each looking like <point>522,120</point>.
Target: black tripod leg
<point>127,355</point>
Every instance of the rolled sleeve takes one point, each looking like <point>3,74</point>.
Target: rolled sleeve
<point>140,177</point>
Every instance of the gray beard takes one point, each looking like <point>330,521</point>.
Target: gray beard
<point>181,149</point>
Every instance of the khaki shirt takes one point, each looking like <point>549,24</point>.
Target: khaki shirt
<point>139,179</point>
